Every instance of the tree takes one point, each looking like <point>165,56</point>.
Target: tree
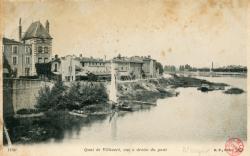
<point>119,56</point>
<point>76,97</point>
<point>7,66</point>
<point>181,68</point>
<point>169,68</point>
<point>43,69</point>
<point>51,98</point>
<point>187,67</point>
<point>159,67</point>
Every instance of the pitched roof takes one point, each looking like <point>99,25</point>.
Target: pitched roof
<point>36,30</point>
<point>87,59</point>
<point>133,59</point>
<point>10,41</point>
<point>121,59</point>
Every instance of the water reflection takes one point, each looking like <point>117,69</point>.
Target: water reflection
<point>113,123</point>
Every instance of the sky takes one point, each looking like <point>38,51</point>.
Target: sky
<point>174,32</point>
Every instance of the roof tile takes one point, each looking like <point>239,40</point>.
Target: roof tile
<point>36,30</point>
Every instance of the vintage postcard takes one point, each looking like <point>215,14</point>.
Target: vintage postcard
<point>124,77</point>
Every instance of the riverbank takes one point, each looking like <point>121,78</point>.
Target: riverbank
<point>210,74</point>
<point>152,90</point>
<point>138,95</point>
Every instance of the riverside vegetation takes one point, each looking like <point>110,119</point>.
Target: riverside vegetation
<point>92,99</point>
<point>78,95</point>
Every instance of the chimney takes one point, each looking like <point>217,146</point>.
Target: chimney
<point>47,25</point>
<point>56,56</point>
<point>20,30</point>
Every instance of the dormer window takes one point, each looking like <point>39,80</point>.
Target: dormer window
<point>40,49</point>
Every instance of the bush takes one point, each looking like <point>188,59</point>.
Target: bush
<point>85,94</point>
<point>138,87</point>
<point>75,97</point>
<point>27,111</point>
<point>51,98</point>
<point>88,93</point>
<point>29,77</point>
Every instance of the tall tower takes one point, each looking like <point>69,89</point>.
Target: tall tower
<point>39,38</point>
<point>20,30</point>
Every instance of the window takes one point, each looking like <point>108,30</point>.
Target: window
<point>67,78</point>
<point>15,72</point>
<point>46,49</point>
<point>15,50</point>
<point>40,49</point>
<point>40,60</point>
<point>55,68</point>
<point>27,60</point>
<point>27,71</point>
<point>28,50</point>
<point>14,61</point>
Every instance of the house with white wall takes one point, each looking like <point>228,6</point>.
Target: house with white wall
<point>66,67</point>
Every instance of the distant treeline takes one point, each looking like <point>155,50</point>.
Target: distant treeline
<point>230,68</point>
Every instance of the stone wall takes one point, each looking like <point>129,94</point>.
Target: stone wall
<point>19,94</point>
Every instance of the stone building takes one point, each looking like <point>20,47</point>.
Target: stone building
<point>65,67</point>
<point>128,68</point>
<point>149,67</point>
<point>34,46</point>
<point>135,67</point>
<point>71,68</point>
<point>39,38</point>
<point>18,56</point>
<point>95,65</point>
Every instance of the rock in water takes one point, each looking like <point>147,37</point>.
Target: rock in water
<point>234,91</point>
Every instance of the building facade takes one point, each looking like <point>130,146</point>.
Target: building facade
<point>19,57</point>
<point>95,65</point>
<point>149,67</point>
<point>40,40</point>
<point>34,46</point>
<point>135,67</point>
<point>65,67</point>
<point>128,67</point>
<point>72,68</point>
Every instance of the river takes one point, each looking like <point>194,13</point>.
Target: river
<point>192,116</point>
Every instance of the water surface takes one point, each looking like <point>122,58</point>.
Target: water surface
<point>192,116</point>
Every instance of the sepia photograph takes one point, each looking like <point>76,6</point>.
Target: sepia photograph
<point>124,77</point>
